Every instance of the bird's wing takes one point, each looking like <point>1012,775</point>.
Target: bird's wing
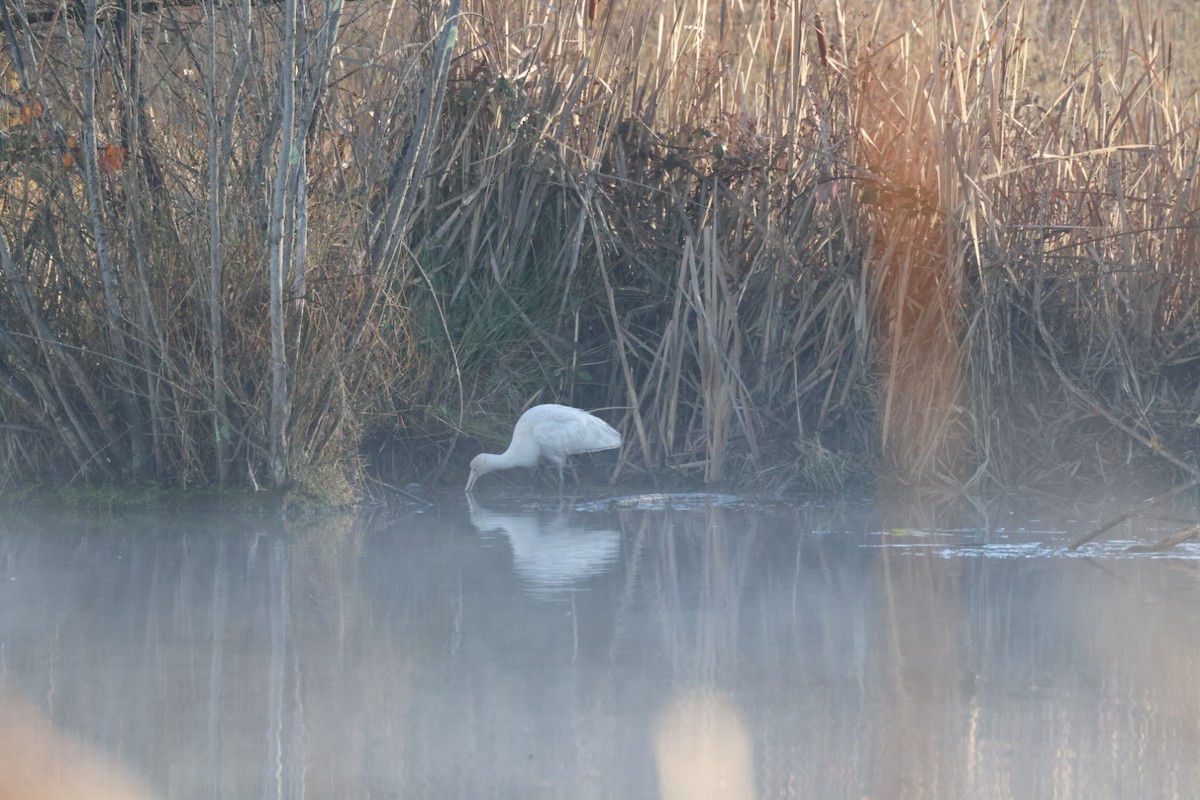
<point>563,431</point>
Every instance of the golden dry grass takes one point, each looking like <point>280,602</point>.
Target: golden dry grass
<point>777,237</point>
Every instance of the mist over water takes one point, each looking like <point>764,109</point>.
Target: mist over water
<point>640,648</point>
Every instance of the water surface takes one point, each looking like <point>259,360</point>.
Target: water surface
<point>636,649</point>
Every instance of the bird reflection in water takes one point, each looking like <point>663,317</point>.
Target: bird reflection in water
<point>551,554</point>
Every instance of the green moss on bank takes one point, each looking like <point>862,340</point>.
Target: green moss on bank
<point>127,498</point>
<point>322,488</point>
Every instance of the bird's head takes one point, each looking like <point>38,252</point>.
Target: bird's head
<point>479,466</point>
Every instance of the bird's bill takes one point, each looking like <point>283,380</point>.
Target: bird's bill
<point>471,480</point>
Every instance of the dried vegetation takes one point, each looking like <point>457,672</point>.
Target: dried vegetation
<point>779,245</point>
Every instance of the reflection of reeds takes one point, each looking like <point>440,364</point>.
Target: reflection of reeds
<point>698,568</point>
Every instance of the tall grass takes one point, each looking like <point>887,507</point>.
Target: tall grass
<point>778,245</point>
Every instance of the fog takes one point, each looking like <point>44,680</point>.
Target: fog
<point>639,647</point>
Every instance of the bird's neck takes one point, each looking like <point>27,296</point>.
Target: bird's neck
<point>518,455</point>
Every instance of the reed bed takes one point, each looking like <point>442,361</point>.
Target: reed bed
<point>785,247</point>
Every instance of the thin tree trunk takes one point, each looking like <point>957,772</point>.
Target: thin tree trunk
<point>282,208</point>
<point>216,330</point>
<point>146,204</point>
<point>119,352</point>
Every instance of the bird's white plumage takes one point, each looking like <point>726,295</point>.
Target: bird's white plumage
<point>548,432</point>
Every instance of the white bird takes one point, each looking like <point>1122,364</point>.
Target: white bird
<point>548,432</point>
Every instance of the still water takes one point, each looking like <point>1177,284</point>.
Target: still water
<point>634,649</point>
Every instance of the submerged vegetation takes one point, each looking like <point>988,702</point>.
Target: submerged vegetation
<point>781,245</point>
